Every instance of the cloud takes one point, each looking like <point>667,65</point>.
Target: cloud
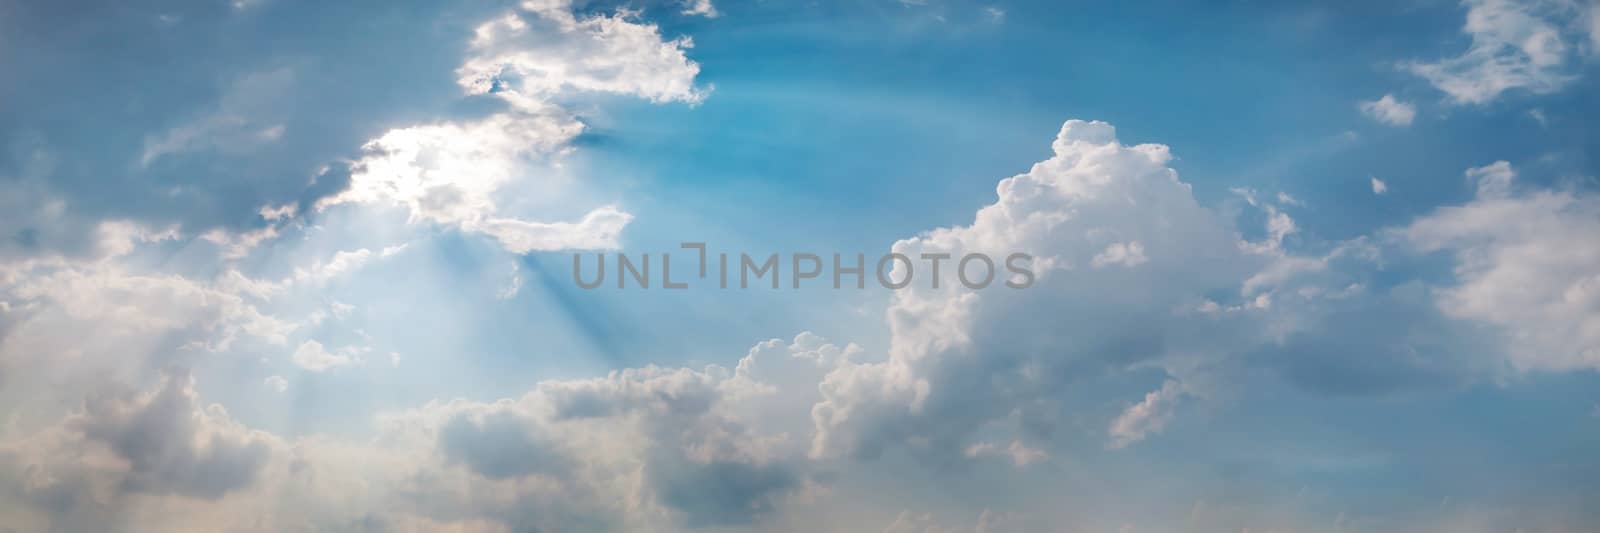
<point>1190,300</point>
<point>1136,280</point>
<point>1594,25</point>
<point>959,360</point>
<point>276,383</point>
<point>1125,254</point>
<point>203,142</point>
<point>87,298</point>
<point>311,355</point>
<point>1493,180</point>
<point>1389,111</point>
<point>497,445</point>
<point>640,449</point>
<point>1379,187</point>
<point>527,57</point>
<point>1516,45</point>
<point>700,7</point>
<point>1019,454</point>
<point>449,173</point>
<point>171,443</point>
<point>127,301</point>
<point>121,447</point>
<point>1538,116</point>
<point>1524,261</point>
<point>1147,417</point>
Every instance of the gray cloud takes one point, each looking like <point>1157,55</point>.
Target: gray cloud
<point>498,445</point>
<point>171,443</point>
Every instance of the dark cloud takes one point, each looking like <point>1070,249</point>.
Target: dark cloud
<point>171,443</point>
<point>497,445</point>
<point>720,493</point>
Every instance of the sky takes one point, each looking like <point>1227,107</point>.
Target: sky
<point>269,265</point>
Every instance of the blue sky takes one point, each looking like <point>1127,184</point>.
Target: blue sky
<point>288,266</point>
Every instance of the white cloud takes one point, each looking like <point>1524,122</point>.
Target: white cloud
<point>1527,262</point>
<point>1378,186</point>
<point>342,262</point>
<point>1279,224</point>
<point>1494,179</point>
<point>598,229</point>
<point>125,302</point>
<point>237,245</point>
<point>1147,417</point>
<point>1130,254</point>
<point>528,57</point>
<point>1516,44</point>
<point>311,355</point>
<point>276,383</point>
<point>959,360</point>
<point>700,7</point>
<point>1389,111</point>
<point>513,284</point>
<point>449,173</point>
<point>1538,116</point>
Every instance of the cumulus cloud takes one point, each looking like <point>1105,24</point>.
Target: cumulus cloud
<point>1389,111</point>
<point>960,360</point>
<point>117,305</point>
<point>1134,276</point>
<point>124,446</point>
<point>171,443</point>
<point>653,446</point>
<point>641,449</point>
<point>549,49</point>
<point>1379,187</point>
<point>1516,45</point>
<point>449,172</point>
